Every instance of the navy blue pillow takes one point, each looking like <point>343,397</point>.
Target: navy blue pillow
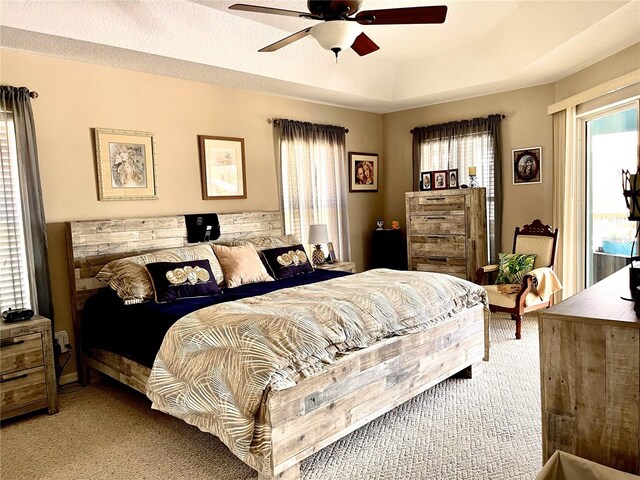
<point>174,280</point>
<point>284,262</point>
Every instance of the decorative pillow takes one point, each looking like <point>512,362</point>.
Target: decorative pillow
<point>287,261</point>
<point>128,277</point>
<point>174,280</point>
<point>241,265</point>
<point>514,266</point>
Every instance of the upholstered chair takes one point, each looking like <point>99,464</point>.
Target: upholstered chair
<point>533,286</point>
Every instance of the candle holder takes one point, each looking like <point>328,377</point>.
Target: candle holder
<point>472,182</point>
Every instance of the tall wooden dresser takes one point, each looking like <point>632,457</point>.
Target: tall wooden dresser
<point>446,231</point>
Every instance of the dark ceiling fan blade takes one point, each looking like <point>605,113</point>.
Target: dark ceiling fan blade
<point>403,16</point>
<point>286,41</point>
<point>273,11</point>
<point>364,45</point>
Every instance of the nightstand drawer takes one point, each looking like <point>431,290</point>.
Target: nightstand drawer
<point>21,352</point>
<point>338,266</point>
<point>22,388</point>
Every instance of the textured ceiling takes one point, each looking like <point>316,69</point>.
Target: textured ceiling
<point>483,47</point>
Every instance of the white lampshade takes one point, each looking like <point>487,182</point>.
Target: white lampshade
<point>336,34</point>
<point>318,234</point>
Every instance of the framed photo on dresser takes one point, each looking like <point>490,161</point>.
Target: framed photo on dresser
<point>425,181</point>
<point>452,180</point>
<point>440,179</point>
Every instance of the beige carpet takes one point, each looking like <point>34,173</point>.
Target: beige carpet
<point>484,428</point>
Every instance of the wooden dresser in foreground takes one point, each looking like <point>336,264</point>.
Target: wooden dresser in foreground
<point>590,376</point>
<point>446,231</point>
<point>27,369</point>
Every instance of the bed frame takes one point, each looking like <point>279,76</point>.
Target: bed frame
<point>319,410</point>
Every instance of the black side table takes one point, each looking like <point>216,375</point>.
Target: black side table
<point>389,250</point>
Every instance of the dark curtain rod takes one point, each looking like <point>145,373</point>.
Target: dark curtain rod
<point>413,129</point>
<point>33,94</point>
<point>276,121</point>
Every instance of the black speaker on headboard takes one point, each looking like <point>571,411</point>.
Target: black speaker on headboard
<point>202,227</point>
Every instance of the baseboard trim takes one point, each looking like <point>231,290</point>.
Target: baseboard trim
<point>68,378</point>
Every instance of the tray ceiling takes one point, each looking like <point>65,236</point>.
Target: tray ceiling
<point>483,47</point>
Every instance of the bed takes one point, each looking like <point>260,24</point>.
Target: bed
<point>316,411</point>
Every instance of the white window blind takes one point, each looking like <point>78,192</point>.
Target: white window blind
<point>14,276</point>
<point>462,152</point>
<point>313,183</point>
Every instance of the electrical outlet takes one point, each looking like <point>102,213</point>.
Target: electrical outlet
<point>62,339</point>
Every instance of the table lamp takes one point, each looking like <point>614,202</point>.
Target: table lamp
<point>318,236</point>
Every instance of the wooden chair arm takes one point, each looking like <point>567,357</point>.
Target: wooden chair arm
<point>527,284</point>
<point>480,273</point>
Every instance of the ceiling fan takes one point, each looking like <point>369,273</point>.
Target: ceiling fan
<point>342,29</point>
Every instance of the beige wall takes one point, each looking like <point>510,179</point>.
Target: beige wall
<point>76,97</point>
<point>526,125</point>
<point>614,66</point>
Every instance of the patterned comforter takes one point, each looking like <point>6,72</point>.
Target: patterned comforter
<point>217,366</point>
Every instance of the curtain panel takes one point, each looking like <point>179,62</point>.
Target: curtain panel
<point>462,144</point>
<point>313,180</point>
<point>15,104</point>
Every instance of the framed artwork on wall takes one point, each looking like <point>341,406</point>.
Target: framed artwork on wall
<point>440,179</point>
<point>222,168</point>
<point>363,172</point>
<point>527,165</point>
<point>125,165</point>
<point>425,180</point>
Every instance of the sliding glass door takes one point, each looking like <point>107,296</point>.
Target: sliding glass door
<point>610,146</point>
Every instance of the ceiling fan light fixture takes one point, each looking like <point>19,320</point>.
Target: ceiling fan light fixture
<point>336,35</point>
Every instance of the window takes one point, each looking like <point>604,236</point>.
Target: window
<point>460,145</point>
<point>313,181</point>
<point>14,273</point>
<point>610,146</point>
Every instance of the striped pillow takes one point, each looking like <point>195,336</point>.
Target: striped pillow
<point>130,279</point>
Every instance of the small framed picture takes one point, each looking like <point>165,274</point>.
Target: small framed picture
<point>222,167</point>
<point>332,253</point>
<point>527,165</point>
<point>440,179</point>
<point>126,165</point>
<point>453,178</point>
<point>425,181</point>
<point>363,172</point>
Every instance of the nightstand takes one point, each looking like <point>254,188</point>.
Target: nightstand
<point>340,266</point>
<point>27,368</point>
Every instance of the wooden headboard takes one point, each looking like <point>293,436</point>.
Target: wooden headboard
<point>91,244</point>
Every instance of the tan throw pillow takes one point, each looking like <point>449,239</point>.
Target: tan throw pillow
<point>241,265</point>
<point>130,279</point>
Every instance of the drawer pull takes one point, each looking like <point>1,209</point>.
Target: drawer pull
<point>436,218</point>
<point>10,341</point>
<point>436,236</point>
<point>437,259</point>
<point>5,380</point>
